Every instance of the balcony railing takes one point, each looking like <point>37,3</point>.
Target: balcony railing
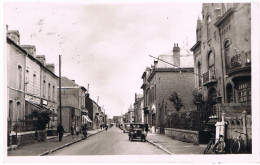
<point>240,60</point>
<point>209,76</point>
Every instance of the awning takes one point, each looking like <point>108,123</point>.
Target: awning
<point>40,107</point>
<point>86,118</point>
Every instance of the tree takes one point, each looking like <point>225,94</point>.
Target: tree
<point>43,118</point>
<point>176,100</point>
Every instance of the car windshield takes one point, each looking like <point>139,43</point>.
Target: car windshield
<point>136,126</point>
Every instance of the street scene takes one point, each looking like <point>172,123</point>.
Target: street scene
<point>128,79</point>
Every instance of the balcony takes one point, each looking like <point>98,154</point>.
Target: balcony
<point>239,63</point>
<point>209,77</point>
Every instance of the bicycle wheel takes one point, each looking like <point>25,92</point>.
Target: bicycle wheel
<point>234,146</point>
<point>208,147</point>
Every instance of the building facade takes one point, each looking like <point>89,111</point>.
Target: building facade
<point>172,72</point>
<point>73,103</point>
<point>222,61</point>
<point>138,108</point>
<point>93,112</point>
<point>15,79</point>
<point>222,54</point>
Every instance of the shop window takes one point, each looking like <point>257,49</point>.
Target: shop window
<point>244,92</point>
<point>229,93</point>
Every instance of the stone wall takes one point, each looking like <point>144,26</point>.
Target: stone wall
<point>183,135</point>
<point>30,137</point>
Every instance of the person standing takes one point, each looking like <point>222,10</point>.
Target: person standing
<point>60,131</point>
<point>77,130</point>
<point>72,130</point>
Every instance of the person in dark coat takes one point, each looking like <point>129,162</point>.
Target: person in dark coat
<point>60,131</point>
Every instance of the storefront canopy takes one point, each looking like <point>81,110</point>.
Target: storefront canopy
<point>86,119</point>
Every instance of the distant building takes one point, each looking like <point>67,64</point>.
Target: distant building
<point>138,108</point>
<point>93,112</point>
<point>173,72</point>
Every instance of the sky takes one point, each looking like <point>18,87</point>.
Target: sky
<point>106,45</point>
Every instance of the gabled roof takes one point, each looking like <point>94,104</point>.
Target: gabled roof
<point>67,82</point>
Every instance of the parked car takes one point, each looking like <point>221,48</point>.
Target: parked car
<point>126,127</point>
<point>137,131</point>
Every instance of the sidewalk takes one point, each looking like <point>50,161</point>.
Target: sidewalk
<point>172,146</point>
<point>50,145</point>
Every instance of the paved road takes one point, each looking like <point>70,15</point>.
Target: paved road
<point>111,142</point>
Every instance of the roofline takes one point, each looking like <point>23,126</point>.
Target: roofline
<point>29,55</point>
<point>195,46</point>
<point>169,70</point>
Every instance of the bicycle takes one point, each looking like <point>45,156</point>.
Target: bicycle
<point>219,146</point>
<point>236,144</point>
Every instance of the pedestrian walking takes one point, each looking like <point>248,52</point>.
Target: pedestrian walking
<point>72,130</point>
<point>146,128</point>
<point>77,130</point>
<point>84,131</point>
<point>60,131</point>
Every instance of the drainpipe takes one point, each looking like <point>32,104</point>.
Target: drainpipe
<point>222,65</point>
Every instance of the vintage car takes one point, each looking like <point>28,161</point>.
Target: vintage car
<point>137,131</point>
<point>126,127</point>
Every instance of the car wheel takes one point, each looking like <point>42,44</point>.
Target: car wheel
<point>131,139</point>
<point>124,131</point>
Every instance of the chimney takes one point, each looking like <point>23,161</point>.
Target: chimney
<point>30,49</point>
<point>73,80</point>
<point>176,54</point>
<point>135,97</point>
<point>13,35</point>
<point>51,67</point>
<point>41,58</point>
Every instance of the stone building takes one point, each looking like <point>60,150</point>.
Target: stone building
<point>15,79</point>
<point>73,103</point>
<point>138,108</point>
<point>222,57</point>
<point>93,112</point>
<point>25,88</point>
<point>172,72</point>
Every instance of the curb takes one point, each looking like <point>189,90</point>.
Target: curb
<point>65,145</point>
<point>163,149</point>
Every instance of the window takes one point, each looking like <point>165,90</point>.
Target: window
<point>11,108</point>
<point>53,92</point>
<point>199,74</point>
<point>212,94</point>
<point>244,92</point>
<point>229,93</point>
<point>19,77</point>
<point>34,83</point>
<point>226,53</point>
<point>208,28</point>
<point>26,81</point>
<point>44,89</point>
<point>49,91</point>
<point>19,113</point>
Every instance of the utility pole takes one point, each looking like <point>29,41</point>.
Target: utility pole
<point>60,86</point>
